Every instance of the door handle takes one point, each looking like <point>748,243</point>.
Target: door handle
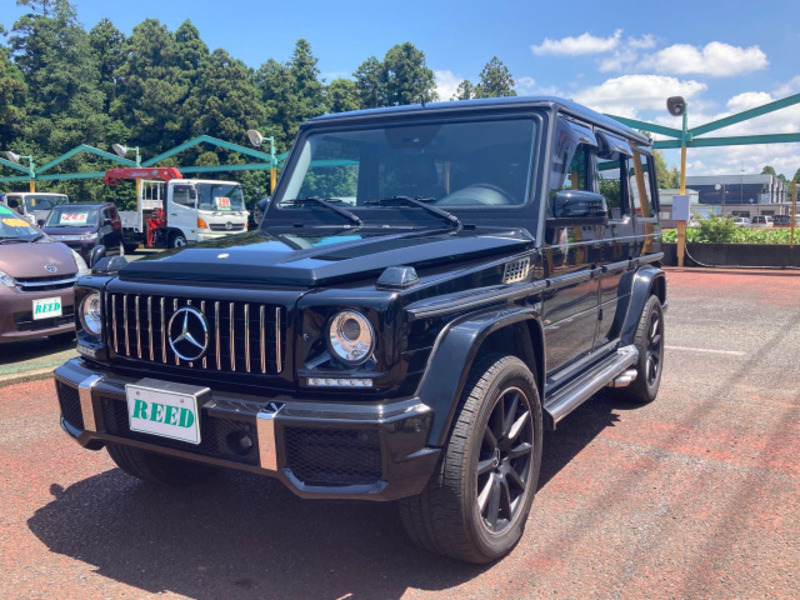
<point>173,214</point>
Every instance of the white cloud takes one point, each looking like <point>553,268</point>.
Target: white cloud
<point>627,95</point>
<point>715,59</point>
<point>525,85</point>
<point>575,46</point>
<point>446,84</point>
<point>787,89</point>
<point>626,54</point>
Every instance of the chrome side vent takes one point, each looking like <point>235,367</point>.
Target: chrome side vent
<point>517,270</point>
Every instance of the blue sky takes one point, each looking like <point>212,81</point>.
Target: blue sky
<point>624,58</point>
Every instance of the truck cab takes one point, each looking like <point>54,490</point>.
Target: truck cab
<point>173,213</point>
<point>33,206</point>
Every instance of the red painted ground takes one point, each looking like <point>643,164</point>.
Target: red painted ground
<point>694,496</point>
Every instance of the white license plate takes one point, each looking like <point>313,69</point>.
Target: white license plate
<point>46,308</point>
<point>167,414</point>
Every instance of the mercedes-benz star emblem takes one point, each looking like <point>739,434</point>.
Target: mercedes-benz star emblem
<point>50,268</point>
<point>188,334</point>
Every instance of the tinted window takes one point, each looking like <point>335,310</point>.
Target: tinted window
<point>476,164</point>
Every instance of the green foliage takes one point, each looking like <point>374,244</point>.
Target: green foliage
<point>495,81</point>
<point>341,95</point>
<point>716,230</point>
<point>722,231</point>
<point>401,78</point>
<point>465,91</point>
<point>668,179</point>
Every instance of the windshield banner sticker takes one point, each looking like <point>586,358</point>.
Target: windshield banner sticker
<point>222,202</point>
<point>15,223</point>
<point>74,218</point>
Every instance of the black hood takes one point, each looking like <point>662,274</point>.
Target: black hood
<point>315,258</point>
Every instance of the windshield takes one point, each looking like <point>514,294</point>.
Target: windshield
<point>44,202</point>
<point>12,227</point>
<point>73,215</point>
<point>224,197</point>
<point>476,164</point>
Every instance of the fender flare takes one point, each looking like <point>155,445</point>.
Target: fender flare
<point>454,353</point>
<point>647,280</point>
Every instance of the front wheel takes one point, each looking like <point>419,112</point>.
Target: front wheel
<point>177,240</point>
<point>477,502</point>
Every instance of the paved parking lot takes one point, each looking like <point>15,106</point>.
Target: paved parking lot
<point>694,496</point>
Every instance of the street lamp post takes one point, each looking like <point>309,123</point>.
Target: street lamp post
<point>15,158</point>
<point>722,187</point>
<point>676,106</point>
<point>257,140</point>
<point>121,150</point>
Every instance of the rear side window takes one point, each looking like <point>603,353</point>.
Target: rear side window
<point>641,180</point>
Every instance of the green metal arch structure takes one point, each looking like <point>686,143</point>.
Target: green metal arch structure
<point>685,137</point>
<point>694,137</point>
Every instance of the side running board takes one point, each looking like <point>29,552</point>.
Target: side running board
<point>569,397</point>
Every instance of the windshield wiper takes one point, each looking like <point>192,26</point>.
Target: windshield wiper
<point>36,238</point>
<point>12,241</point>
<point>328,203</point>
<point>420,202</point>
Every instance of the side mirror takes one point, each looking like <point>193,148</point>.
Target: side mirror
<point>96,254</point>
<point>40,222</point>
<point>579,205</point>
<point>108,223</point>
<point>109,265</point>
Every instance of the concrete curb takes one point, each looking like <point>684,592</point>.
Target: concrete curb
<point>26,376</point>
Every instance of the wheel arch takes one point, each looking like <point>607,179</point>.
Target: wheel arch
<point>647,281</point>
<point>516,331</point>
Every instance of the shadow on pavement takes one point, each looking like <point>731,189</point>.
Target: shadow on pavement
<point>244,536</point>
<point>237,536</point>
<point>577,431</point>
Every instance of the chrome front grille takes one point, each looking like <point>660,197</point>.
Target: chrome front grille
<point>243,337</point>
<point>46,284</point>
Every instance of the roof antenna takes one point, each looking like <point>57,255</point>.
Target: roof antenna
<point>422,100</point>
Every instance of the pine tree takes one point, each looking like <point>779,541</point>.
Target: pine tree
<point>495,81</point>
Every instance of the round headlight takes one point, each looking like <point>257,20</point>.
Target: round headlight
<point>91,313</point>
<point>351,337</point>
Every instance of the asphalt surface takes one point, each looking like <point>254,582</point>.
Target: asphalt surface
<point>694,496</point>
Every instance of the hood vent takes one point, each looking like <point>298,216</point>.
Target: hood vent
<point>517,270</point>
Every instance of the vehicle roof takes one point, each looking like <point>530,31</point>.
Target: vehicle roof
<point>84,205</point>
<point>34,194</point>
<point>548,102</point>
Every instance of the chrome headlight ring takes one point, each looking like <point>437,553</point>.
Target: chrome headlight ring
<point>91,314</point>
<point>351,337</point>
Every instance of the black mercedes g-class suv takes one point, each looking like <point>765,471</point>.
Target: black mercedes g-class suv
<point>432,287</point>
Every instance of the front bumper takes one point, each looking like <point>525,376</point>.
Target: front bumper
<point>318,449</point>
<point>16,318</point>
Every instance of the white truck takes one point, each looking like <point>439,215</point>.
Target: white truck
<point>172,211</point>
<point>33,206</point>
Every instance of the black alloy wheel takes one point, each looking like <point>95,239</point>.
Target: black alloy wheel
<point>504,462</point>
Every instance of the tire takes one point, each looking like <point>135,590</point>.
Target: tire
<point>649,340</point>
<point>156,468</point>
<point>475,506</point>
<point>177,240</point>
<point>130,248</point>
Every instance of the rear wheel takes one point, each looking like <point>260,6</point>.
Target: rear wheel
<point>156,468</point>
<point>477,502</point>
<point>649,340</point>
